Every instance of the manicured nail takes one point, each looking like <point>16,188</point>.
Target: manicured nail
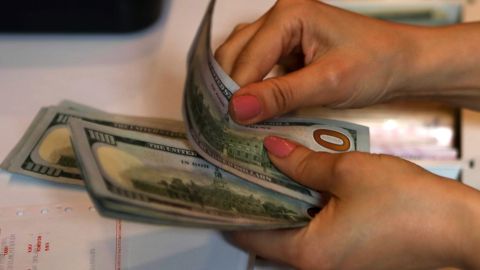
<point>278,147</point>
<point>245,107</point>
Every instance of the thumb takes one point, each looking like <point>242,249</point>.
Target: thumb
<point>311,85</point>
<point>320,171</point>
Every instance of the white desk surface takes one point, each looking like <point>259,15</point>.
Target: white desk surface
<point>137,74</point>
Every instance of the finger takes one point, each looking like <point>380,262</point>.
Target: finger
<point>228,52</point>
<point>318,84</point>
<point>237,29</point>
<point>317,170</point>
<point>277,245</point>
<point>263,51</point>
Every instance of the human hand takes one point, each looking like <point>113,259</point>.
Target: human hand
<point>384,213</point>
<point>348,60</point>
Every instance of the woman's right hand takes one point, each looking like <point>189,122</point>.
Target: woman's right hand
<point>383,213</point>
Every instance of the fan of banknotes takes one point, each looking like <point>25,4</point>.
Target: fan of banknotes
<point>204,172</point>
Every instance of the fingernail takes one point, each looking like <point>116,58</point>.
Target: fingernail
<point>245,107</point>
<point>278,147</point>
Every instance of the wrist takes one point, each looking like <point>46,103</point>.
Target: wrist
<point>441,62</point>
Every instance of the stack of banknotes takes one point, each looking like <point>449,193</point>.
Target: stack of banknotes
<point>206,171</point>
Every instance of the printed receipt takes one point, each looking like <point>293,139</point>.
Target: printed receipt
<point>58,237</point>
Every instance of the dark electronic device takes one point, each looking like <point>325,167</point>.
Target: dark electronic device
<point>78,16</point>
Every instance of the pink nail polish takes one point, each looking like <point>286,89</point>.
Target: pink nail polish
<point>245,107</point>
<point>278,146</point>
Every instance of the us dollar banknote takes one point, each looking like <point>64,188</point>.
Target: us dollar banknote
<point>45,150</point>
<point>239,149</point>
<point>161,179</point>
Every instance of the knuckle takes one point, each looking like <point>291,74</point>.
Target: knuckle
<point>382,157</point>
<point>282,94</point>
<point>334,74</point>
<point>336,77</point>
<point>346,164</point>
<point>239,27</point>
<point>222,52</point>
<point>304,165</point>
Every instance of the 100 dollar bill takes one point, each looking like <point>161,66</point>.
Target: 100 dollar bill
<point>239,149</point>
<point>160,179</point>
<point>45,150</point>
